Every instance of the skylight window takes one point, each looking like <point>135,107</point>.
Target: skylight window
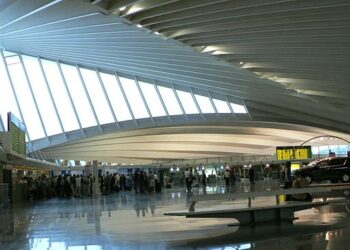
<point>204,104</point>
<point>238,109</point>
<point>187,102</point>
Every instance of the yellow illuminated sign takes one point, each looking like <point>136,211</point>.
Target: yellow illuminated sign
<point>293,153</point>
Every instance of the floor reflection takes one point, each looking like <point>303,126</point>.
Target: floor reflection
<point>135,221</point>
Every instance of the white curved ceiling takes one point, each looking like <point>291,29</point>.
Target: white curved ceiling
<point>286,59</point>
<point>154,145</point>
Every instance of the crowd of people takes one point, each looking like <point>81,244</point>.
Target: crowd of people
<point>67,185</point>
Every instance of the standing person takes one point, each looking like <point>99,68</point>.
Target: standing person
<point>152,182</point>
<point>78,186</point>
<point>287,175</point>
<point>188,179</point>
<point>251,173</point>
<point>204,178</point>
<point>227,177</point>
<point>232,176</point>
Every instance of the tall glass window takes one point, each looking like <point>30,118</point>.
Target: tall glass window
<point>116,97</point>
<point>204,104</point>
<point>60,96</point>
<point>314,150</point>
<point>238,109</point>
<point>26,102</point>
<point>343,149</point>
<point>134,97</point>
<point>79,97</point>
<point>323,150</point>
<point>221,106</point>
<point>187,102</point>
<point>170,100</point>
<point>42,96</point>
<point>152,99</point>
<point>7,99</point>
<point>97,96</point>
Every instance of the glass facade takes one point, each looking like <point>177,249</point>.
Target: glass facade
<point>52,97</point>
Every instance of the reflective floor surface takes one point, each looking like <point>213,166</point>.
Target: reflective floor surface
<point>132,221</point>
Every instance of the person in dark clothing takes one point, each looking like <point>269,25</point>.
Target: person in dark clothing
<point>251,176</point>
<point>204,178</point>
<point>287,176</point>
<point>232,176</point>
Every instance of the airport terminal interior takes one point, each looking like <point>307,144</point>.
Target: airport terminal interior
<point>174,124</point>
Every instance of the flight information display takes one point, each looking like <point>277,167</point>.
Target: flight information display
<point>293,153</point>
<point>18,136</point>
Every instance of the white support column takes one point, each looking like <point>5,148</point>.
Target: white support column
<point>96,191</point>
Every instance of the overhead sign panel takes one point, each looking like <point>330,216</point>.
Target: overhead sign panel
<point>293,153</point>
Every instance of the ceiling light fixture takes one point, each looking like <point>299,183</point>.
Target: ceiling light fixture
<point>157,33</point>
<point>240,63</point>
<point>139,25</point>
<point>122,8</point>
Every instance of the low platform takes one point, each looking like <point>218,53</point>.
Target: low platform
<point>254,215</point>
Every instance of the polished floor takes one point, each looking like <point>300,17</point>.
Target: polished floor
<point>132,221</point>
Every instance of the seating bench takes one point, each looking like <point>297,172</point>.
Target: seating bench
<point>250,195</point>
<point>253,215</point>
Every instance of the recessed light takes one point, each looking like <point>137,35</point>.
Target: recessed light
<point>139,25</point>
<point>275,77</point>
<point>157,33</point>
<point>240,63</point>
<point>122,8</point>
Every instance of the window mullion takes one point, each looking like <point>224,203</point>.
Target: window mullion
<point>197,105</point>
<point>32,93</point>
<point>88,96</point>
<point>179,101</point>
<point>125,97</point>
<point>230,107</point>
<point>161,100</point>
<point>52,100</point>
<point>143,98</point>
<point>107,98</point>
<point>213,104</point>
<point>69,95</point>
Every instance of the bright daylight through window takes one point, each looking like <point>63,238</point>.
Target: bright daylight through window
<point>54,97</point>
